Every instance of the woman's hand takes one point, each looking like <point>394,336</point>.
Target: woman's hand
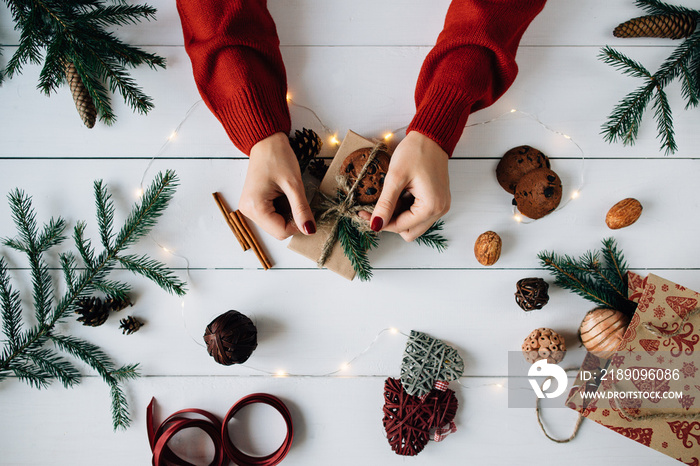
<point>273,172</point>
<point>418,172</point>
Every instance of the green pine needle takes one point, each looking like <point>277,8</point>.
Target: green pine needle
<point>24,353</point>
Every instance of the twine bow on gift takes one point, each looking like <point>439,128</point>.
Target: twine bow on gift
<point>336,208</point>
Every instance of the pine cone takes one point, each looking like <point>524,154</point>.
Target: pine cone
<point>672,26</point>
<point>306,145</point>
<point>81,97</point>
<point>130,325</point>
<point>93,311</point>
<point>318,168</point>
<point>116,304</point>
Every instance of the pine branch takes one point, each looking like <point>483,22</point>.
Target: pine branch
<point>432,238</point>
<point>115,289</point>
<point>605,285</point>
<point>146,213</point>
<point>105,214</point>
<point>94,357</point>
<point>154,270</point>
<point>623,123</point>
<point>11,306</point>
<point>690,87</point>
<point>664,119</point>
<point>356,244</point>
<point>573,281</point>
<point>616,264</point>
<point>623,63</point>
<point>655,7</point>
<point>118,15</point>
<point>79,32</point>
<point>55,367</point>
<point>24,355</point>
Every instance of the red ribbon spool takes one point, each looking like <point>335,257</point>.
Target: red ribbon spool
<point>224,449</point>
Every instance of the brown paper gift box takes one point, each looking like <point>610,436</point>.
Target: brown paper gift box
<point>657,338</point>
<point>311,246</point>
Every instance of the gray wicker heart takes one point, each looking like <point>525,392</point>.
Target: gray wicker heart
<point>427,360</point>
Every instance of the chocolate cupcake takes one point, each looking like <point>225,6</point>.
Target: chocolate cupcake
<point>370,187</point>
<point>538,193</point>
<point>516,163</point>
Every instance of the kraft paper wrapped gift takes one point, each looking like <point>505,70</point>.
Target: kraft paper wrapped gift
<point>662,338</point>
<point>312,245</point>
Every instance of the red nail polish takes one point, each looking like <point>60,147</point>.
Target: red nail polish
<point>377,224</point>
<point>310,228</point>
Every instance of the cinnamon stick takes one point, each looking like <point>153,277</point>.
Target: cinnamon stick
<point>240,221</point>
<point>225,212</point>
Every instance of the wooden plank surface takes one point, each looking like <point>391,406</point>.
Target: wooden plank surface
<point>311,322</point>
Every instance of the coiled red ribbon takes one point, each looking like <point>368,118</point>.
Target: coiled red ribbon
<point>225,450</point>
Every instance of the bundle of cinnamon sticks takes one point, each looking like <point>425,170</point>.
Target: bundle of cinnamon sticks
<point>241,230</point>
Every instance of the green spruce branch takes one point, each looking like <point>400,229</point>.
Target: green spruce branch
<point>26,353</point>
<point>683,64</point>
<point>356,244</point>
<point>603,282</point>
<point>78,32</point>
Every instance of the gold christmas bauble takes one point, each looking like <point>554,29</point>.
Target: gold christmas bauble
<point>544,343</point>
<point>602,330</point>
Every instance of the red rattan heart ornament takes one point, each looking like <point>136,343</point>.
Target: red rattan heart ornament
<point>408,419</point>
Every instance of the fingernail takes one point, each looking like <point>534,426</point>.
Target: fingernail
<point>310,228</point>
<point>377,224</point>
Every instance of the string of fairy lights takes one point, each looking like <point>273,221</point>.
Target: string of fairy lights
<point>331,137</point>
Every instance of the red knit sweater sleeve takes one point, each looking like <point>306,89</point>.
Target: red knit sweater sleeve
<point>237,65</point>
<point>471,65</point>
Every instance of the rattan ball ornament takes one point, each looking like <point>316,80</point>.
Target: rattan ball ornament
<point>544,343</point>
<point>231,338</point>
<point>602,330</point>
<point>531,293</point>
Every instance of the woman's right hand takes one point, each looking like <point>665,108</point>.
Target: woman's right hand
<point>273,172</point>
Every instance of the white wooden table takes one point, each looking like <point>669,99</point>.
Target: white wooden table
<point>355,64</point>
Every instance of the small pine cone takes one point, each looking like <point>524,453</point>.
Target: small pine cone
<point>81,97</point>
<point>672,26</point>
<point>130,325</point>
<point>306,145</point>
<point>318,168</point>
<point>116,304</point>
<point>93,311</point>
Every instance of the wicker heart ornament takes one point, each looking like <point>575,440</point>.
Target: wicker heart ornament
<point>410,421</point>
<point>427,360</point>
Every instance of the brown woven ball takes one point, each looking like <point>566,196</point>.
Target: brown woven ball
<point>544,343</point>
<point>531,293</point>
<point>231,338</point>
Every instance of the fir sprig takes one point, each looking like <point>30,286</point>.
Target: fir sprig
<point>25,353</point>
<point>78,32</point>
<point>683,64</point>
<point>357,242</point>
<point>433,238</point>
<point>602,282</point>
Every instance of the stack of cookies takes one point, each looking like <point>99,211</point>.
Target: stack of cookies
<point>526,173</point>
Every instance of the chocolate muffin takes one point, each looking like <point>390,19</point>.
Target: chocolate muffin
<point>370,187</point>
<point>517,162</point>
<point>538,193</point>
